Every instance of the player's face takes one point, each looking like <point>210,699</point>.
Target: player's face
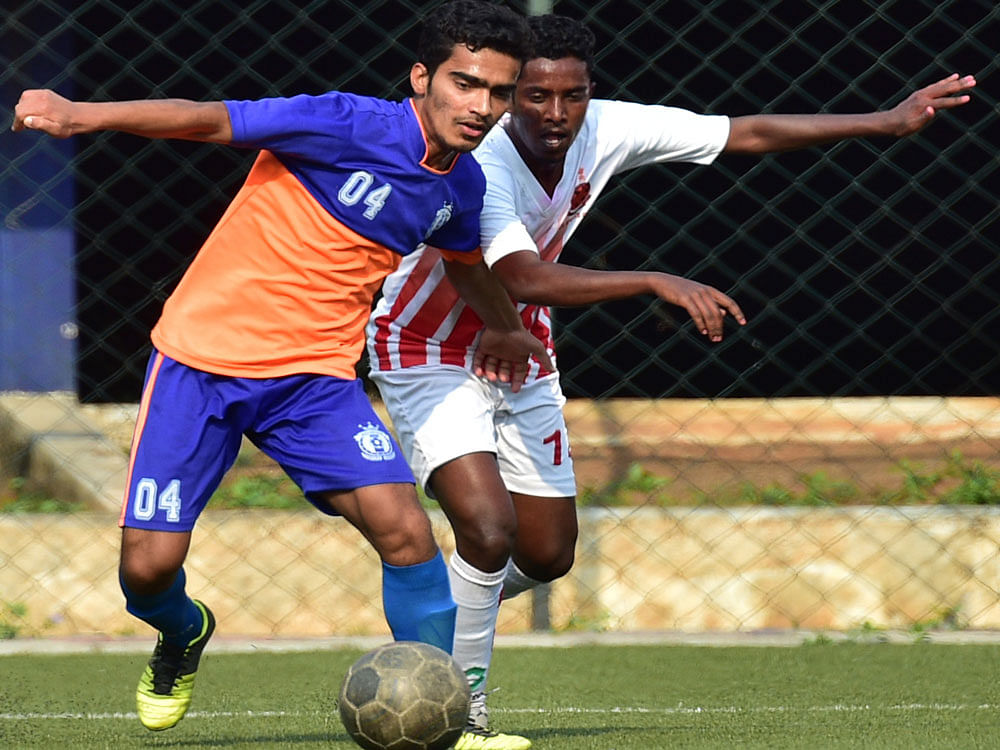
<point>549,106</point>
<point>463,99</point>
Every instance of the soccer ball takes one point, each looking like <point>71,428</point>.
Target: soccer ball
<point>404,696</point>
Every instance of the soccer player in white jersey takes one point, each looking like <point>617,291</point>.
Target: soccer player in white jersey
<point>497,457</point>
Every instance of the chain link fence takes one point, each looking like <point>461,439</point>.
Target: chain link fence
<point>865,385</point>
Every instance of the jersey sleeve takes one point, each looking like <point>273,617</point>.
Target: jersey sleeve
<point>312,128</point>
<point>501,230</point>
<point>653,133</point>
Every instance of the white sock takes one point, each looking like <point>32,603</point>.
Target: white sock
<point>516,582</point>
<point>477,595</point>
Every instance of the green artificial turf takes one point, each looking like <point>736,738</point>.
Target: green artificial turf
<point>845,695</point>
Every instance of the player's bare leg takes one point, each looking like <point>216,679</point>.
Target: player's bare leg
<point>389,516</point>
<point>480,509</point>
<point>150,559</point>
<point>545,544</point>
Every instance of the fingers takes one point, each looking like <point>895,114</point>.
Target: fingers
<point>517,375</point>
<point>540,353</point>
<point>506,357</point>
<point>514,372</point>
<point>42,110</point>
<point>943,83</point>
<point>947,102</point>
<point>920,107</point>
<point>28,106</point>
<point>729,304</point>
<point>714,321</point>
<point>19,119</point>
<point>503,371</point>
<point>953,83</point>
<point>708,308</point>
<point>493,369</point>
<point>702,318</point>
<point>39,123</point>
<point>945,93</point>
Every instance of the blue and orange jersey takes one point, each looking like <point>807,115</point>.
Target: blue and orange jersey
<point>338,194</point>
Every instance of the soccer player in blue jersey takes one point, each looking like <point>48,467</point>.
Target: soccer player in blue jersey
<point>263,332</point>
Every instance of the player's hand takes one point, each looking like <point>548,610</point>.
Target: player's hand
<point>706,305</point>
<point>503,356</point>
<point>919,108</point>
<point>44,110</point>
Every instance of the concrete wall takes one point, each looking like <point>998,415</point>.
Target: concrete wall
<point>639,568</point>
<point>302,574</point>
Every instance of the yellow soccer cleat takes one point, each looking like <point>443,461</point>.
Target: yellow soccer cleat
<point>479,736</point>
<point>164,691</point>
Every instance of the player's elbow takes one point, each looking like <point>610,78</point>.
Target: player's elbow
<point>524,290</point>
<point>211,123</point>
<point>753,134</point>
<point>531,285</point>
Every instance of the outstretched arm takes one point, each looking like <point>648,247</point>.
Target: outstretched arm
<point>761,134</point>
<point>47,111</point>
<point>530,279</point>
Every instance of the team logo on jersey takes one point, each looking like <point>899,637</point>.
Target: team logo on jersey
<point>440,218</point>
<point>375,443</point>
<point>580,195</point>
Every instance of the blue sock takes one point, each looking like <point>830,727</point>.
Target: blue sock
<point>418,604</point>
<point>171,612</point>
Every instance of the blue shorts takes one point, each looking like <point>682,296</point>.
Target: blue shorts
<point>320,429</point>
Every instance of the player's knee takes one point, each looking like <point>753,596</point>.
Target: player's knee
<point>146,575</point>
<point>496,542</point>
<point>408,542</point>
<point>150,560</point>
<point>546,564</point>
<point>487,545</point>
<point>559,566</point>
<point>556,568</point>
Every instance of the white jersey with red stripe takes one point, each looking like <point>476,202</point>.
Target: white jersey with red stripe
<point>420,319</point>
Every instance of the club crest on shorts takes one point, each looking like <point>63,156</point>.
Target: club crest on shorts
<point>375,443</point>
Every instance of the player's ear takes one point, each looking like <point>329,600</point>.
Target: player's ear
<point>420,79</point>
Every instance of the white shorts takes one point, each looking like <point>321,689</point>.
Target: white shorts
<point>441,413</point>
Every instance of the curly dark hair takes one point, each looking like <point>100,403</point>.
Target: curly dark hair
<point>555,36</point>
<point>476,24</point>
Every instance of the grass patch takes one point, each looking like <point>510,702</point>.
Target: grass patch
<point>18,496</point>
<point>957,482</point>
<point>258,491</point>
<point>12,618</point>
<point>257,482</point>
<point>592,697</point>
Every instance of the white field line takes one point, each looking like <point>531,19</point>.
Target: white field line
<point>685,710</point>
<point>664,711</point>
<point>132,715</point>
